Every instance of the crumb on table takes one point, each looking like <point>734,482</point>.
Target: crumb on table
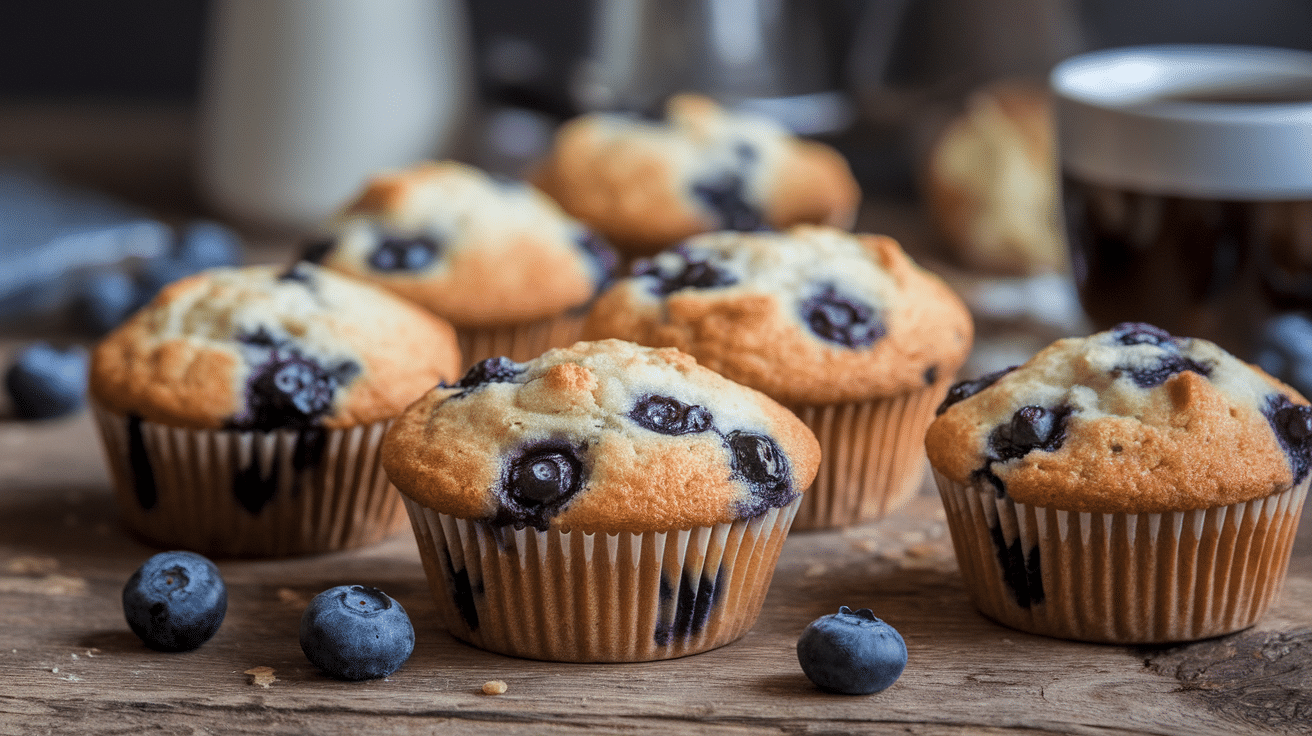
<point>494,687</point>
<point>262,676</point>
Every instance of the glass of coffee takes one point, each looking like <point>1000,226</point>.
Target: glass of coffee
<point>1187,193</point>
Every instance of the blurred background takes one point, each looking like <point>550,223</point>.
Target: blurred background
<point>186,133</point>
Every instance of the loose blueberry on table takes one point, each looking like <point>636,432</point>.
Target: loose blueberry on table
<point>852,653</point>
<point>355,632</point>
<point>46,382</point>
<point>175,601</point>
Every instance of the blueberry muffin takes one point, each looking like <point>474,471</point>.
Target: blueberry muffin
<point>648,184</point>
<point>604,502</point>
<point>495,257</point>
<point>845,330</point>
<point>1128,487</point>
<point>242,410</point>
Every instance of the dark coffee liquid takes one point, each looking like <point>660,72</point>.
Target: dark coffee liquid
<point>1200,268</point>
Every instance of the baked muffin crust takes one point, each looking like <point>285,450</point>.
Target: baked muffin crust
<point>263,346</point>
<point>647,184</point>
<point>1131,420</point>
<point>814,315</point>
<point>602,437</point>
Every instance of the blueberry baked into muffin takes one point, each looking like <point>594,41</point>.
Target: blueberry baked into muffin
<point>494,256</point>
<point>1128,487</point>
<point>243,408</point>
<point>648,184</point>
<point>845,330</point>
<point>603,502</point>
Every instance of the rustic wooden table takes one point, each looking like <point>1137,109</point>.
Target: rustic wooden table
<point>69,664</point>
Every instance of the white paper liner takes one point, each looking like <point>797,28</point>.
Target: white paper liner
<point>1125,578</point>
<point>519,342</point>
<point>872,457</point>
<point>341,502</point>
<point>571,596</point>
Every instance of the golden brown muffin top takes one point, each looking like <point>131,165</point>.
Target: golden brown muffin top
<point>262,347</point>
<point>602,437</point>
<point>1131,420</point>
<point>471,248</point>
<point>647,184</point>
<point>815,315</point>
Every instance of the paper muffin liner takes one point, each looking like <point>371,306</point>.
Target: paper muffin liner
<point>520,342</point>
<point>1121,578</point>
<point>872,456</point>
<point>572,596</point>
<point>250,494</point>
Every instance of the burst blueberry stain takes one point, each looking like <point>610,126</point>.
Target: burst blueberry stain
<point>931,375</point>
<point>462,593</point>
<point>396,253</point>
<point>143,474</point>
<point>841,318</point>
<point>726,199</point>
<point>1021,570</point>
<point>759,462</point>
<point>286,388</point>
<point>538,484</point>
<point>1155,374</point>
<point>694,272</point>
<point>1292,424</point>
<point>254,488</point>
<point>684,613</point>
<point>670,416</point>
<point>963,390</point>
<point>1142,333</point>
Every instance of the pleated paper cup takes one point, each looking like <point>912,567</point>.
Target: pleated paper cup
<point>1121,578</point>
<point>250,494</point>
<point>872,456</point>
<point>520,342</point>
<point>573,596</point>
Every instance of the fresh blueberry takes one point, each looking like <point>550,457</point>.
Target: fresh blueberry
<point>397,253</point>
<point>46,382</point>
<point>852,653</point>
<point>175,601</point>
<point>723,195</point>
<point>694,272</point>
<point>762,465</point>
<point>104,300</point>
<point>491,370</point>
<point>1292,424</point>
<point>669,416</point>
<point>841,318</point>
<point>354,632</point>
<point>207,244</point>
<point>963,390</point>
<point>1031,428</point>
<point>538,483</point>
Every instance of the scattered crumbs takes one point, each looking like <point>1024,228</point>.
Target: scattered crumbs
<point>816,570</point>
<point>73,655</point>
<point>54,670</point>
<point>262,676</point>
<point>32,565</point>
<point>71,678</point>
<point>494,687</point>
<point>292,598</point>
<point>93,651</point>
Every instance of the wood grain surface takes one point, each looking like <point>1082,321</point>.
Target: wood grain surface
<point>69,664</point>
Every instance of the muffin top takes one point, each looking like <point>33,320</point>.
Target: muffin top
<point>603,437</point>
<point>1131,420</point>
<point>263,347</point>
<point>474,249</point>
<point>647,184</point>
<point>813,315</point>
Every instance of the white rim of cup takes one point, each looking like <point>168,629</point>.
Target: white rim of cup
<point>1125,119</point>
